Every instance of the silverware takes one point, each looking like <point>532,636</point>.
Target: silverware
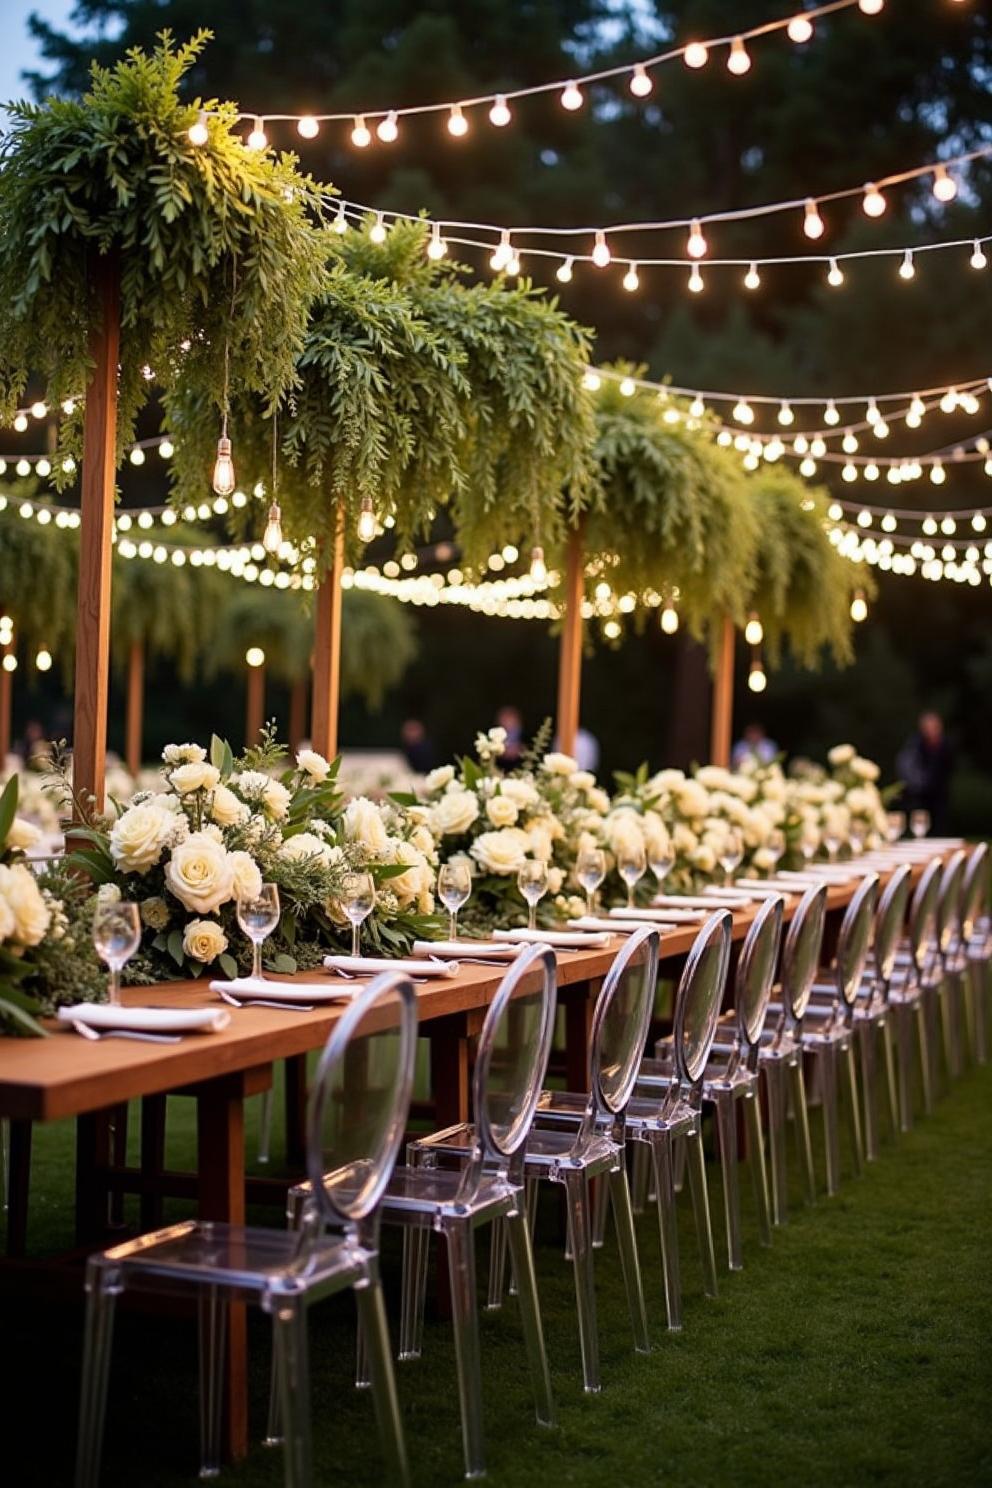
<point>128,1033</point>
<point>292,1007</point>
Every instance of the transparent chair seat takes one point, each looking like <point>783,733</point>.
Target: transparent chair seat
<point>552,1147</point>
<point>648,1114</point>
<point>440,1192</point>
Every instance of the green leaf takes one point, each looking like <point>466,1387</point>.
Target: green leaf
<point>8,809</point>
<point>174,945</point>
<point>404,798</point>
<point>228,965</point>
<point>284,963</point>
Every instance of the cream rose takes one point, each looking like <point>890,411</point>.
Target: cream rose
<point>305,845</point>
<point>416,883</point>
<point>204,940</point>
<point>423,840</point>
<point>275,800</point>
<point>141,835</point>
<point>197,775</point>
<point>7,921</point>
<point>502,811</point>
<point>30,914</point>
<point>226,809</point>
<point>866,768</point>
<point>247,876</point>
<point>524,792</point>
<point>313,764</point>
<point>200,873</point>
<point>582,780</point>
<point>541,839</point>
<point>559,764</point>
<point>501,852</point>
<point>841,754</point>
<point>599,799</point>
<point>22,835</point>
<point>437,779</point>
<point>183,754</point>
<point>454,813</point>
<point>363,823</point>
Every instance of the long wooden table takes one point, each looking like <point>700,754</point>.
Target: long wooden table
<point>66,1076</point>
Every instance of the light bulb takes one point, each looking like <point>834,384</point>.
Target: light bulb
<point>538,567</point>
<point>39,410</point>
<point>563,273</point>
<point>786,415</point>
<point>43,660</point>
<point>500,114</point>
<point>166,449</point>
<point>697,407</point>
<point>738,62</point>
<point>630,280</point>
<point>880,429</point>
<point>889,523</point>
<point>752,278</point>
<point>695,55</point>
<point>388,129</point>
<point>640,84</point>
<point>457,122</point>
<point>340,223</point>
<point>502,253</point>
<point>872,414</point>
<point>874,202</point>
<point>255,656</point>
<point>849,443</point>
<point>938,474</point>
<point>601,254</point>
<point>366,521</point>
<point>696,280</point>
<point>835,274</point>
<point>591,381</point>
<point>870,7</point>
<point>949,401</point>
<point>812,221</point>
<point>945,187</point>
<point>10,662</point>
<point>669,619</point>
<point>978,522</point>
<point>753,631</point>
<point>859,607</point>
<point>69,406</point>
<point>360,136</point>
<point>907,269</point>
<point>513,263</point>
<point>257,139</point>
<point>377,232</point>
<point>43,466</point>
<point>799,29</point>
<point>743,412</point>
<point>830,414</point>
<point>628,387</point>
<point>198,133</point>
<point>756,679</point>
<point>978,259</point>
<point>272,536</point>
<point>307,127</point>
<point>137,455</point>
<point>849,472</point>
<point>807,467</point>
<point>696,243</point>
<point>23,467</point>
<point>223,477</point>
<point>436,247</point>
<point>571,98</point>
<point>21,422</point>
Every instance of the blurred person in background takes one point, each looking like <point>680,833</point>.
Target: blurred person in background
<point>417,746</point>
<point>925,764</point>
<point>510,718</point>
<point>754,743</point>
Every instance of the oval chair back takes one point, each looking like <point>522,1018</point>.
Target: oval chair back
<point>756,975</point>
<point>620,1028</point>
<point>975,891</point>
<point>699,996</point>
<point>923,915</point>
<point>889,924</point>
<point>949,901</point>
<point>360,1100</point>
<point>854,940</point>
<point>801,954</point>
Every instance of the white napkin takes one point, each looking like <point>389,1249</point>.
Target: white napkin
<point>662,916</point>
<point>408,966</point>
<point>616,927</point>
<point>705,900</point>
<point>260,989</point>
<point>487,950</point>
<point>102,1016</point>
<point>782,885</point>
<point>568,940</point>
<point>754,889</point>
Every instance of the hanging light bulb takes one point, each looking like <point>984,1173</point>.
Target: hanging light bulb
<point>223,477</point>
<point>977,259</point>
<point>754,630</point>
<point>799,29</point>
<point>907,269</point>
<point>388,128</point>
<point>563,273</point>
<point>756,679</point>
<point>640,84</point>
<point>500,114</point>
<point>870,7</point>
<point>949,401</point>
<point>21,422</point>
<point>880,429</point>
<point>859,607</point>
<point>571,97</point>
<point>786,415</point>
<point>872,414</point>
<point>10,662</point>
<point>436,247</point>
<point>807,467</point>
<point>43,660</point>
<point>255,656</point>
<point>307,127</point>
<point>738,62</point>
<point>938,474</point>
<point>669,618</point>
<point>631,283</point>
<point>198,134</point>
<point>538,567</point>
<point>812,221</point>
<point>457,122</point>
<point>697,407</point>
<point>272,536</point>
<point>366,521</point>
<point>849,443</point>
<point>166,449</point>
<point>888,523</point>
<point>377,232</point>
<point>257,139</point>
<point>849,472</point>
<point>752,278</point>
<point>835,274</point>
<point>830,414</point>
<point>513,262</point>
<point>743,412</point>
<point>360,136</point>
<point>69,406</point>
<point>340,223</point>
<point>873,203</point>
<point>628,387</point>
<point>601,254</point>
<point>137,455</point>
<point>696,280</point>
<point>696,244</point>
<point>945,187</point>
<point>502,253</point>
<point>695,55</point>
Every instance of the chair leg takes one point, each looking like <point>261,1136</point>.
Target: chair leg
<point>289,1332</point>
<point>213,1339</point>
<point>977,974</point>
<point>518,1237</point>
<point>374,1329</point>
<point>664,1189</point>
<point>600,1204</point>
<point>679,1160</point>
<point>756,1148</point>
<point>4,1164</point>
<point>826,1064</point>
<point>802,1126</point>
<point>531,1191</point>
<point>701,1207</point>
<point>273,1425</point>
<point>775,1100</point>
<point>854,1105</point>
<point>906,1015</point>
<point>101,1301</point>
<point>640,1166</point>
<point>726,1125</point>
<point>497,1265</point>
<point>889,1052</point>
<point>623,1218</point>
<point>265,1127</point>
<point>416,1242</point>
<point>580,1239</point>
<point>465,1318</point>
<point>931,999</point>
<point>865,1032</point>
<point>363,1378</point>
<point>928,1076</point>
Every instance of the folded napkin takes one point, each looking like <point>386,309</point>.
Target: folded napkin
<point>753,889</point>
<point>102,1017</point>
<point>699,901</point>
<point>615,927</point>
<point>568,940</point>
<point>261,989</point>
<point>781,885</point>
<point>364,965</point>
<point>663,916</point>
<point>476,950</point>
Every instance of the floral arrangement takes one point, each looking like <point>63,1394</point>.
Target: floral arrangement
<point>219,827</point>
<point>841,806</point>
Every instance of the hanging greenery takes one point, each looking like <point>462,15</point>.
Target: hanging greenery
<point>38,582</point>
<point>217,252</point>
<point>169,611</point>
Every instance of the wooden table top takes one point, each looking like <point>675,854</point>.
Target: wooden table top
<point>65,1075</point>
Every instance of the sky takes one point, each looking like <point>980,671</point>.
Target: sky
<point>18,51</point>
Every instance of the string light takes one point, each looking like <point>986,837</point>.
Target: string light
<point>538,567</point>
<point>799,29</point>
<point>307,127</point>
<point>360,136</point>
<point>870,7</point>
<point>499,114</point>
<point>272,537</point>
<point>377,232</point>
<point>457,122</point>
<point>874,202</point>
<point>696,244</point>
<point>640,84</point>
<point>859,607</point>
<point>978,259</point>
<point>696,55</point>
<point>563,273</point>
<point>257,139</point>
<point>436,247</point>
<point>738,62</point>
<point>255,656</point>
<point>754,632</point>
<point>835,274</point>
<point>388,129</point>
<point>907,269</point>
<point>601,254</point>
<point>812,221</point>
<point>756,679</point>
<point>752,278</point>
<point>366,521</point>
<point>571,97</point>
<point>944,186</point>
<point>669,617</point>
<point>43,660</point>
<point>198,133</point>
<point>630,280</point>
<point>10,662</point>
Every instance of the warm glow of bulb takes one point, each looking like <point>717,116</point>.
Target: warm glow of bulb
<point>340,224</point>
<point>628,387</point>
<point>255,656</point>
<point>669,619</point>
<point>10,662</point>
<point>874,202</point>
<point>457,122</point>
<point>137,455</point>
<point>799,29</point>
<point>696,280</point>
<point>830,414</point>
<point>21,422</point>
<point>812,222</point>
<point>756,679</point>
<point>738,62</point>
<point>198,133</point>
<point>945,187</point>
<point>870,7</point>
<point>978,259</point>
<point>360,135</point>
<point>257,139</point>
<point>223,477</point>
<point>630,280</point>
<point>907,269</point>
<point>696,244</point>
<point>640,84</point>
<point>366,522</point>
<point>388,129</point>
<point>571,97</point>
<point>601,254</point>
<point>538,567</point>
<point>500,114</point>
<point>377,232</point>
<point>43,660</point>
<point>938,474</point>
<point>436,247</point>
<point>743,412</point>
<point>859,608</point>
<point>307,127</point>
<point>752,278</point>
<point>695,55</point>
<point>835,274</point>
<point>563,273</point>
<point>272,537</point>
<point>754,632</point>
<point>697,407</point>
<point>786,415</point>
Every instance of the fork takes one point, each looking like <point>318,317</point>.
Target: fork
<point>145,1038</point>
<point>292,1007</point>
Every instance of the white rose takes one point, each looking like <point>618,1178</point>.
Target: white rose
<point>599,800</point>
<point>665,781</point>
<point>656,838</point>
<point>363,823</point>
<point>691,799</point>
<point>25,902</point>
<point>423,840</point>
<point>501,852</point>
<point>418,879</point>
<point>313,764</point>
<point>108,893</point>
<point>437,779</point>
<point>226,809</point>
<point>7,921</point>
<point>183,754</point>
<point>204,940</point>
<point>454,813</point>
<point>141,835</point>
<point>540,836</point>
<point>703,858</point>
<point>22,835</point>
<point>582,780</point>
<point>866,768</point>
<point>252,784</point>
<point>502,811</point>
<point>625,833</point>
<point>684,840</point>
<point>276,799</point>
<point>305,845</point>
<point>556,878</point>
<point>523,791</point>
<point>841,754</point>
<point>559,764</point>
<point>715,777</point>
<point>200,873</point>
<point>197,775</point>
<point>764,860</point>
<point>247,876</point>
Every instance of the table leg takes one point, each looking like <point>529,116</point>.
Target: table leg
<point>92,1161</point>
<point>449,1070</point>
<point>19,1181</point>
<point>220,1135</point>
<point>580,1003</point>
<point>152,1158</point>
<point>295,1095</point>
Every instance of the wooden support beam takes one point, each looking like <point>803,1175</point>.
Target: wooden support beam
<point>722,716</point>
<point>570,650</point>
<point>135,716</point>
<point>327,650</point>
<point>96,506</point>
<point>254,704</point>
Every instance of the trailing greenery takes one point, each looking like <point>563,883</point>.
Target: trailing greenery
<point>170,611</point>
<point>38,567</point>
<point>215,247</point>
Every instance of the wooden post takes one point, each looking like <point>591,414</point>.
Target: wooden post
<point>722,717</point>
<point>135,706</point>
<point>297,714</point>
<point>6,706</point>
<point>254,704</point>
<point>96,507</point>
<point>327,651</point>
<point>570,650</point>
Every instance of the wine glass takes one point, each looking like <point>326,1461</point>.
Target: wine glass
<point>731,855</point>
<point>856,841</point>
<point>357,900</point>
<point>590,870</point>
<point>116,937</point>
<point>632,865</point>
<point>919,823</point>
<point>532,881</point>
<point>833,843</point>
<point>454,886</point>
<point>895,824</point>
<point>776,847</point>
<point>809,843</point>
<point>661,860</point>
<point>258,916</point>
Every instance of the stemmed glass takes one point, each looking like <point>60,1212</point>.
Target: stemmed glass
<point>258,916</point>
<point>454,886</point>
<point>116,937</point>
<point>809,843</point>
<point>661,860</point>
<point>357,900</point>
<point>590,870</point>
<point>776,847</point>
<point>919,823</point>
<point>532,881</point>
<point>856,841</point>
<point>896,824</point>
<point>833,843</point>
<point>730,857</point>
<point>632,865</point>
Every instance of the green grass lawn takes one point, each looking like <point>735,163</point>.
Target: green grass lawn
<point>856,1350</point>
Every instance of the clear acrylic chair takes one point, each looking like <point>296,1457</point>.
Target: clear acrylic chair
<point>357,1113</point>
<point>828,1028</point>
<point>952,962</point>
<point>873,1014</point>
<point>780,1057</point>
<point>976,937</point>
<point>913,993</point>
<point>731,1072</point>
